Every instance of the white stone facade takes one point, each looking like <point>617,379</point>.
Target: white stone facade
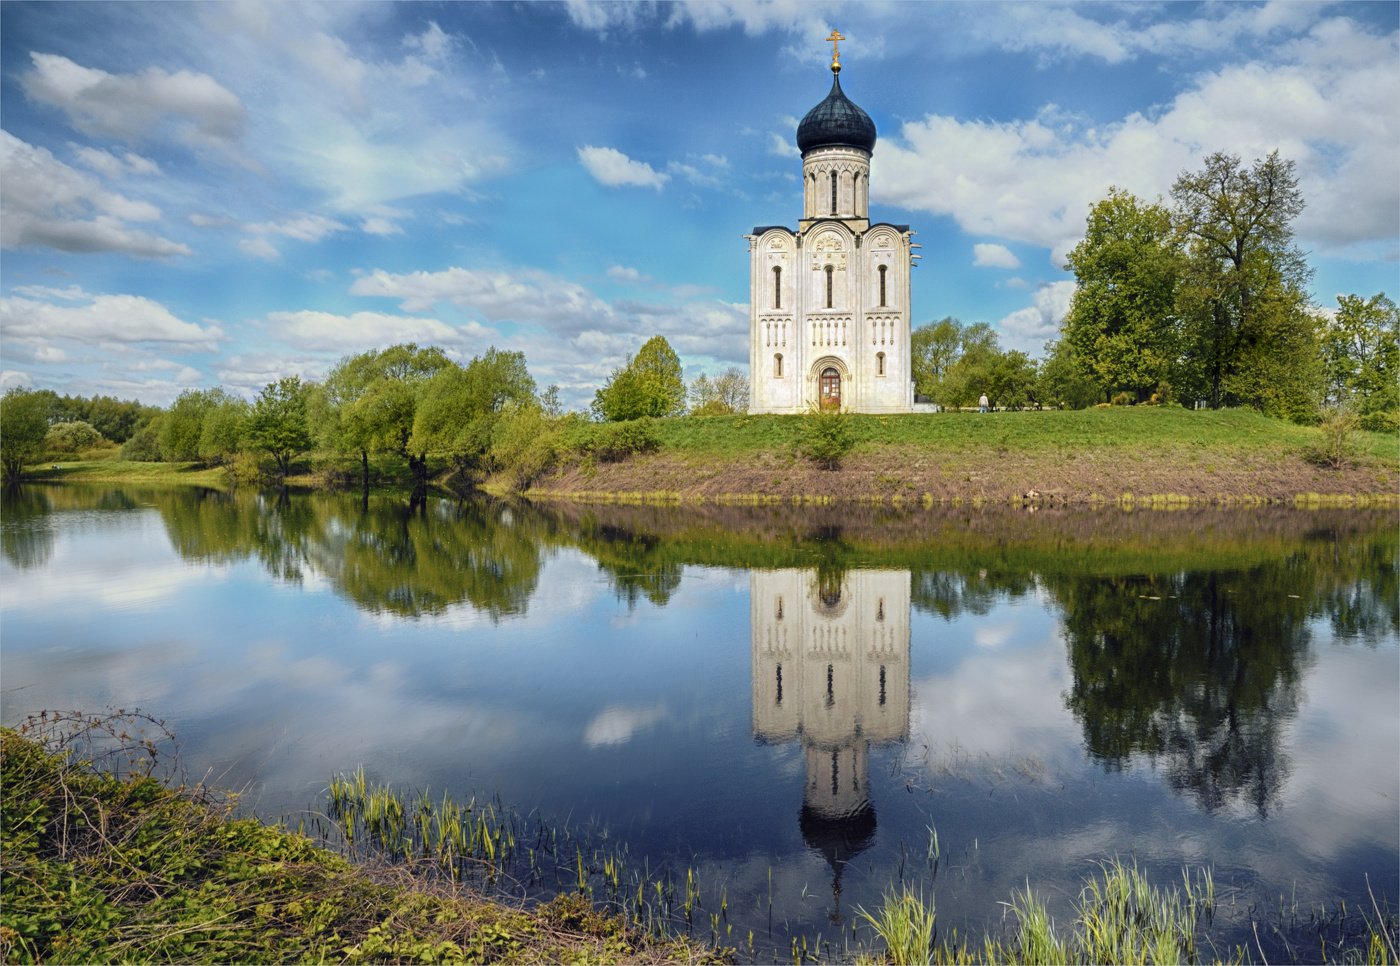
<point>831,667</point>
<point>832,297</point>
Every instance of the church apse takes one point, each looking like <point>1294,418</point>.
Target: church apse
<point>831,670</point>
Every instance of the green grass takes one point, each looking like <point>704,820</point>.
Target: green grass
<point>1128,429</point>
<point>106,869</point>
<point>118,471</point>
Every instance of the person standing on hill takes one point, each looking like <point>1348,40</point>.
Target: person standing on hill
<point>982,403</point>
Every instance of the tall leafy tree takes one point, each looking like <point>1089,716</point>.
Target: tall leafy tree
<point>1121,324</point>
<point>458,408</point>
<point>23,425</point>
<point>934,347</point>
<point>1361,359</point>
<point>375,404</point>
<point>650,384</point>
<point>1248,336</point>
<point>183,425</point>
<point>278,423</point>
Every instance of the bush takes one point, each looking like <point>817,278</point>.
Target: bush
<point>1122,399</point>
<point>1385,421</point>
<point>614,442</point>
<point>144,446</point>
<point>1333,447</point>
<point>68,439</point>
<point>524,445</point>
<point>825,436</point>
<point>249,469</point>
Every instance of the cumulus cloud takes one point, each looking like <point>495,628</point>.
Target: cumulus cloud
<point>1029,328</point>
<point>617,724</point>
<point>325,332</point>
<point>612,168</point>
<point>131,106</point>
<point>9,378</point>
<point>994,256</point>
<point>517,295</point>
<point>104,320</point>
<point>1330,109</point>
<point>45,203</point>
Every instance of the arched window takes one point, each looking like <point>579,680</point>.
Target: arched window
<point>833,192</point>
<point>778,374</point>
<point>879,363</point>
<point>883,303</point>
<point>829,271</point>
<point>778,286</point>
<point>831,396</point>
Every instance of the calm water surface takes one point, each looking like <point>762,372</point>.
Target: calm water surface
<point>805,695</point>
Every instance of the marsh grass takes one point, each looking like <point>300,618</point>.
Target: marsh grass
<point>105,863</point>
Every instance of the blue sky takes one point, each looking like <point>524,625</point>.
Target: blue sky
<point>222,194</point>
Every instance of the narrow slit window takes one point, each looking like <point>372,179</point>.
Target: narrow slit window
<point>830,272</point>
<point>778,604</point>
<point>882,683</point>
<point>830,686</point>
<point>778,286</point>
<point>778,374</point>
<point>780,683</point>
<point>833,192</point>
<point>883,302</point>
<point>880,371</point>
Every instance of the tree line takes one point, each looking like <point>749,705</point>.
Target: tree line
<point>404,401</point>
<point>1204,300</point>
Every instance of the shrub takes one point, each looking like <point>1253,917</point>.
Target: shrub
<point>1333,447</point>
<point>524,445</point>
<point>1122,399</point>
<point>69,439</point>
<point>248,469</point>
<point>614,442</point>
<point>144,445</point>
<point>825,436</point>
<point>1385,421</point>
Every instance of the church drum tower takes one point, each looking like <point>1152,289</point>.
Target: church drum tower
<point>829,303</point>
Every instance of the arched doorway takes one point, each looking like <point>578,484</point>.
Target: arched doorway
<point>830,388</point>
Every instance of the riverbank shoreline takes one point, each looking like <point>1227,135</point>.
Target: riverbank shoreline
<point>106,869</point>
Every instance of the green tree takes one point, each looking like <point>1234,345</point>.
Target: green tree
<point>144,444</point>
<point>278,424</point>
<point>1248,336</point>
<point>23,425</point>
<point>225,425</point>
<point>1361,360</point>
<point>726,393</point>
<point>972,373</point>
<point>1121,323</point>
<point>183,426</point>
<point>458,408</point>
<point>934,347</point>
<point>374,402</point>
<point>1062,381</point>
<point>650,384</point>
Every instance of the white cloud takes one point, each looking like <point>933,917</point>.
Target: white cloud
<point>44,201</point>
<point>622,274</point>
<point>518,295</point>
<point>9,378</point>
<point>307,228</point>
<point>324,332</point>
<point>434,43</point>
<point>259,248</point>
<point>1029,328</point>
<point>617,724</point>
<point>380,226</point>
<point>48,353</point>
<point>994,256</point>
<point>1330,109</point>
<point>130,106</point>
<point>106,320</point>
<point>108,164</point>
<point>783,146</point>
<point>612,168</point>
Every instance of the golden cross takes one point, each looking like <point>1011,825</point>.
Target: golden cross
<point>835,40</point>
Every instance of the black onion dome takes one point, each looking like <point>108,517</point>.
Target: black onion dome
<point>836,121</point>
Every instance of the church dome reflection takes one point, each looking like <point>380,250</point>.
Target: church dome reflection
<point>831,671</point>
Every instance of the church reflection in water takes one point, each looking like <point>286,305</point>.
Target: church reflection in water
<point>831,670</point>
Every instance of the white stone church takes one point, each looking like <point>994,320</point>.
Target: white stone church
<point>829,303</point>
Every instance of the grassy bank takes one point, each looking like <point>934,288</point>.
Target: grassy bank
<point>100,869</point>
<point>1145,455</point>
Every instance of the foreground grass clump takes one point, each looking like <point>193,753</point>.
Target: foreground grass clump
<point>102,869</point>
<point>1119,917</point>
